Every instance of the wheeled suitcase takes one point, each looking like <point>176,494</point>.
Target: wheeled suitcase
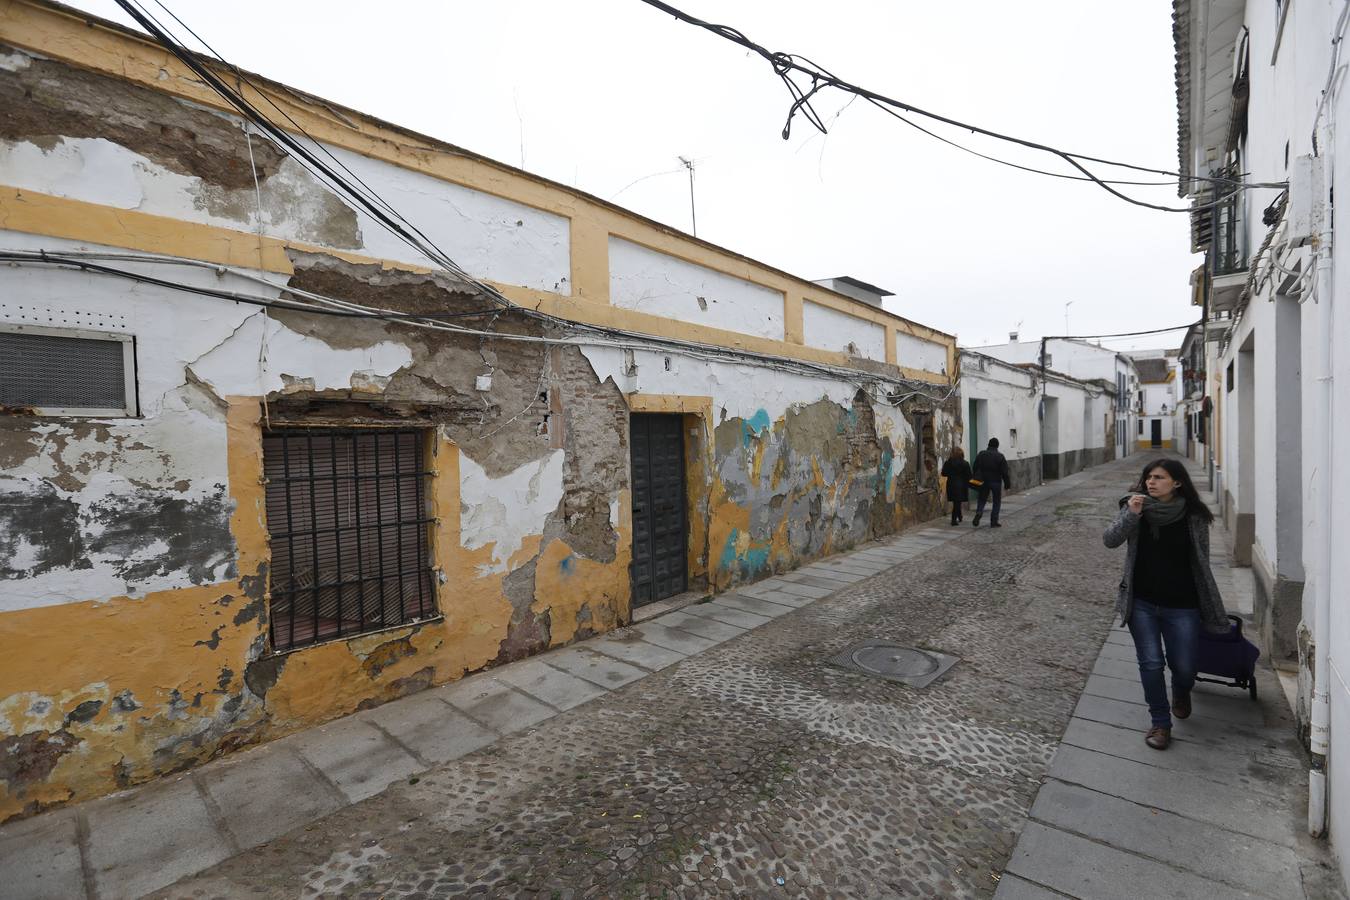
<point>1230,656</point>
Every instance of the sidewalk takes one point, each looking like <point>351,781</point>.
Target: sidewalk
<point>1220,813</point>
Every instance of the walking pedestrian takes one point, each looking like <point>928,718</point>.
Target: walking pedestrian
<point>957,472</point>
<point>991,469</point>
<point>1167,593</point>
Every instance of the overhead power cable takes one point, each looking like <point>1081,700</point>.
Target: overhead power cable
<point>97,262</point>
<point>785,64</point>
<point>364,197</point>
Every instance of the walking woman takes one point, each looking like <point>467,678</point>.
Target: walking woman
<point>957,472</point>
<point>1168,592</point>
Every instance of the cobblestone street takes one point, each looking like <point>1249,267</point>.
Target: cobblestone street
<point>754,767</point>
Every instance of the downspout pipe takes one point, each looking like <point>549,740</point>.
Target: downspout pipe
<point>1040,415</point>
<point>1320,725</point>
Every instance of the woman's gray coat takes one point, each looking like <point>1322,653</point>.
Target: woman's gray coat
<point>1126,528</point>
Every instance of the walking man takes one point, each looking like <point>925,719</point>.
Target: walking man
<point>991,467</point>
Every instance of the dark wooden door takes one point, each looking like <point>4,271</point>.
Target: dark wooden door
<point>1156,433</point>
<point>660,539</point>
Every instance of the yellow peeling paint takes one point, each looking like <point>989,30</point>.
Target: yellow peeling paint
<point>566,583</point>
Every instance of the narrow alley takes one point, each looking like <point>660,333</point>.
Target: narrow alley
<point>717,751</point>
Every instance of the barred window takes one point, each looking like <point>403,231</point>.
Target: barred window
<point>348,521</point>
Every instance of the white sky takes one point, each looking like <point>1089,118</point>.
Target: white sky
<point>600,93</point>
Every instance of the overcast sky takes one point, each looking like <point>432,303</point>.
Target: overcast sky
<point>602,93</point>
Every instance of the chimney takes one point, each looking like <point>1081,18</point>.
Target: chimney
<point>1012,337</point>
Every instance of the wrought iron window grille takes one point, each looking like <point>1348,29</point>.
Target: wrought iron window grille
<point>348,523</point>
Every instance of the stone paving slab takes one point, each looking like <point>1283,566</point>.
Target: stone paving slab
<point>1228,857</point>
<point>760,606</point>
<point>555,687</point>
<point>630,648</point>
<point>429,729</point>
<point>41,858</point>
<point>507,710</point>
<point>843,578</point>
<point>268,793</point>
<point>595,667</point>
<point>800,590</point>
<point>673,639</point>
<point>356,756</point>
<point>1082,868</point>
<point>1175,792</point>
<point>719,611</point>
<point>141,842</point>
<point>702,626</point>
<point>794,600</point>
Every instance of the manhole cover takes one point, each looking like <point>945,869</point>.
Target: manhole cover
<point>894,662</point>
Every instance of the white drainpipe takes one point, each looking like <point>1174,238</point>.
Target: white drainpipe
<point>1320,730</point>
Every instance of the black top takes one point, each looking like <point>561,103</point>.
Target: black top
<point>1162,567</point>
<point>957,473</point>
<point>992,466</point>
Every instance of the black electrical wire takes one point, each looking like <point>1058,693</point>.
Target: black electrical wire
<point>785,63</point>
<point>57,259</point>
<point>1084,337</point>
<point>373,208</point>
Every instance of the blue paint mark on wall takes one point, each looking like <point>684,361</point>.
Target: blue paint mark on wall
<point>754,426</point>
<point>885,470</point>
<point>753,561</point>
<point>568,564</point>
<point>729,551</point>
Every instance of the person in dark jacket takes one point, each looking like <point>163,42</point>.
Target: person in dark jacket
<point>1167,593</point>
<point>991,467</point>
<point>957,472</point>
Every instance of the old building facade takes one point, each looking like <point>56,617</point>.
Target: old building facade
<point>1259,94</point>
<point>266,461</point>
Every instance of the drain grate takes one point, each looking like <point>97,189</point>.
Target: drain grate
<point>894,662</point>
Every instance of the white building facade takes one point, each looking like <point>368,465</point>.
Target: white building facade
<point>1258,99</point>
<point>1089,363</point>
<point>1002,400</point>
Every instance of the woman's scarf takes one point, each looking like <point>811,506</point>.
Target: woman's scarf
<point>1158,513</point>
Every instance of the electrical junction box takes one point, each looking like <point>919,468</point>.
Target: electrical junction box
<point>1307,196</point>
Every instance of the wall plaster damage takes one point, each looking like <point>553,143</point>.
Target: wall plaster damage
<point>135,597</point>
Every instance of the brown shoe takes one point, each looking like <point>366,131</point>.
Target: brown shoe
<point>1158,737</point>
<point>1181,706</point>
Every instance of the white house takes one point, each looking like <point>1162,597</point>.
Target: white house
<point>1002,400</point>
<point>1156,400</point>
<point>1258,96</point>
<point>1086,362</point>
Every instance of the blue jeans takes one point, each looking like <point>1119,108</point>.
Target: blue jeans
<point>1152,628</point>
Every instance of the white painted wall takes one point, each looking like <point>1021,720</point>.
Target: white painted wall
<point>653,282</point>
<point>488,236</point>
<point>1011,404</point>
<point>830,329</point>
<point>917,353</point>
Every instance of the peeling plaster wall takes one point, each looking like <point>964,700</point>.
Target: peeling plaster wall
<point>917,353</point>
<point>792,466</point>
<point>830,329</point>
<point>133,552</point>
<point>88,137</point>
<point>657,283</point>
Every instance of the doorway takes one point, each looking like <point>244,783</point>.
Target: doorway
<point>1155,433</point>
<point>660,527</point>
